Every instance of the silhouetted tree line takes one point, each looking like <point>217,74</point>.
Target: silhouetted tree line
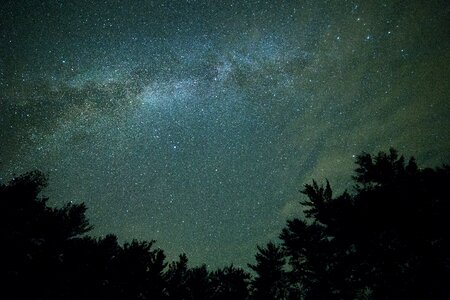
<point>388,239</point>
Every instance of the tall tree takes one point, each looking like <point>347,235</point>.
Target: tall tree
<point>229,283</point>
<point>270,281</point>
<point>176,279</point>
<point>389,239</point>
<point>138,271</point>
<point>34,236</point>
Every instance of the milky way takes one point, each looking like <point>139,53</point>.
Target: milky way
<point>195,123</point>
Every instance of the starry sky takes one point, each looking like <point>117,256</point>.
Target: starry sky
<point>195,123</point>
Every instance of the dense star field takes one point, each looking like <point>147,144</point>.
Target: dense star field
<point>195,123</point>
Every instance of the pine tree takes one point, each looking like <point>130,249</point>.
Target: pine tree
<point>270,281</point>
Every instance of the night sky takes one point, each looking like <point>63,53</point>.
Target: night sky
<point>195,123</point>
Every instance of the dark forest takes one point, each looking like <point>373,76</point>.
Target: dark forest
<point>387,237</point>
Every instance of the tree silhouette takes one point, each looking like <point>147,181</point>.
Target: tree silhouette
<point>229,283</point>
<point>271,279</point>
<point>389,240</point>
<point>35,236</point>
<point>176,278</point>
<point>386,239</point>
<point>197,283</point>
<point>138,271</point>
